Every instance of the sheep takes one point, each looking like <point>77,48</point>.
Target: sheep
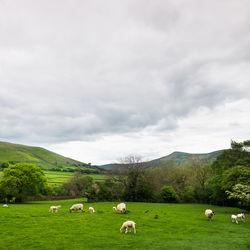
<point>121,207</point>
<point>241,217</point>
<point>5,205</point>
<point>209,213</point>
<point>91,210</point>
<point>76,207</point>
<point>234,218</point>
<point>114,209</point>
<point>128,224</point>
<point>54,208</point>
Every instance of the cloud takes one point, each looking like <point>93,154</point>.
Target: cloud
<point>81,70</point>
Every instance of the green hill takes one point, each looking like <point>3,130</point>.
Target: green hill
<point>179,158</point>
<point>46,159</point>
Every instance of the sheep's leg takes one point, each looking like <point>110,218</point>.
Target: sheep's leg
<point>126,230</point>
<point>236,221</point>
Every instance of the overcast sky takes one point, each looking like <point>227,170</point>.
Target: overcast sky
<point>99,80</point>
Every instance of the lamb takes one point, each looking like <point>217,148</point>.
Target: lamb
<point>121,207</point>
<point>54,208</point>
<point>128,224</point>
<point>91,210</point>
<point>76,207</point>
<point>241,217</point>
<point>234,218</point>
<point>209,213</point>
<point>114,209</point>
<point>5,205</point>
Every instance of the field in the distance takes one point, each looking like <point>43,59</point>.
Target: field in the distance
<point>57,178</point>
<point>179,226</point>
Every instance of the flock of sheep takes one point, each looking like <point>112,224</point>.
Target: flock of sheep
<point>209,213</point>
<point>131,224</point>
<point>120,207</point>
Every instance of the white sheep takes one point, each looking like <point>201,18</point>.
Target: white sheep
<point>234,218</point>
<point>121,207</point>
<point>91,210</point>
<point>54,208</point>
<point>209,213</point>
<point>241,217</point>
<point>114,209</point>
<point>76,207</point>
<point>5,205</point>
<point>128,224</point>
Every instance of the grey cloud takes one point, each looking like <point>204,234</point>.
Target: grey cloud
<point>75,71</point>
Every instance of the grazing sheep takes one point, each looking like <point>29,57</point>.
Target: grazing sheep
<point>241,217</point>
<point>209,213</point>
<point>76,207</point>
<point>234,218</point>
<point>54,208</point>
<point>5,205</point>
<point>114,209</point>
<point>128,224</point>
<point>91,210</point>
<point>121,207</point>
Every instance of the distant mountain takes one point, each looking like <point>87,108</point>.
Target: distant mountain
<point>13,153</point>
<point>179,158</point>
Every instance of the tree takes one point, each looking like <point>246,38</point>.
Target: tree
<point>131,174</point>
<point>77,185</point>
<point>22,180</point>
<point>4,165</point>
<point>168,194</point>
<point>241,193</point>
<point>235,175</point>
<point>228,168</point>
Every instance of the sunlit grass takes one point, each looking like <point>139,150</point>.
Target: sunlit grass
<point>57,178</point>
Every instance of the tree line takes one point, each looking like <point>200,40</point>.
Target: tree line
<point>226,181</point>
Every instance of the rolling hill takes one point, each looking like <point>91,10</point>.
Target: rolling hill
<point>13,153</point>
<point>179,158</point>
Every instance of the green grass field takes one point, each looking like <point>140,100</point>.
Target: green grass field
<point>179,226</point>
<point>56,178</point>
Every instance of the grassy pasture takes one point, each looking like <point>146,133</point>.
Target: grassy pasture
<point>56,178</point>
<point>179,226</point>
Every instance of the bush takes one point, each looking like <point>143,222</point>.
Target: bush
<point>168,194</point>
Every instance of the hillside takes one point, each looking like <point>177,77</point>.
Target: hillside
<point>179,158</point>
<point>46,159</point>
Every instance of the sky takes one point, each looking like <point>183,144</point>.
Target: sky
<point>98,80</point>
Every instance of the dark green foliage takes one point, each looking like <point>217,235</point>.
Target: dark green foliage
<point>168,194</point>
<point>235,175</point>
<point>239,154</point>
<point>230,168</point>
<point>4,165</point>
<point>77,185</point>
<point>22,180</point>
